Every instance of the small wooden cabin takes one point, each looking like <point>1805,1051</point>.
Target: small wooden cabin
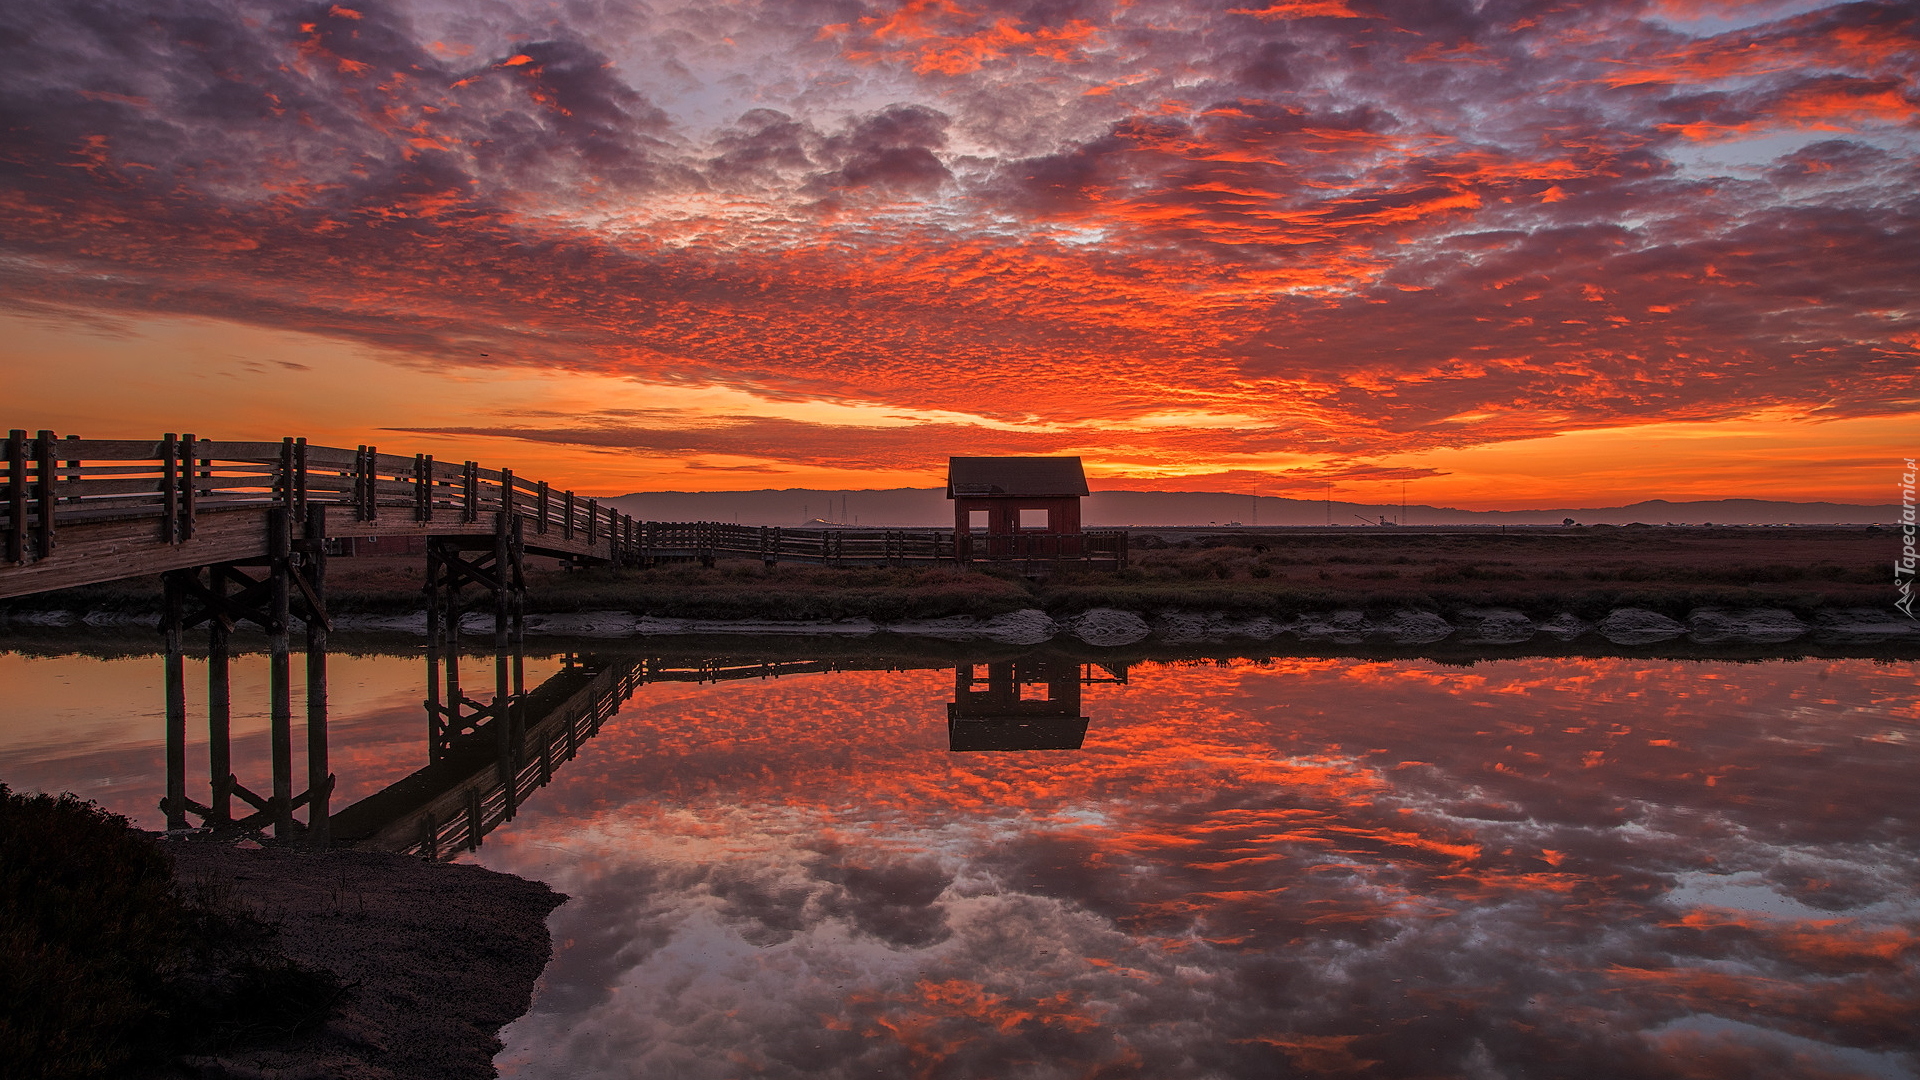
<point>1007,496</point>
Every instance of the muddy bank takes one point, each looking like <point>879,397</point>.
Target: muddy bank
<point>435,958</point>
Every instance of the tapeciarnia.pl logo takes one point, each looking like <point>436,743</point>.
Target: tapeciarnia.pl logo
<point>1903,567</point>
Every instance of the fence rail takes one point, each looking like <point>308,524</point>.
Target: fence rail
<point>51,483</point>
<point>178,481</point>
<point>653,540</point>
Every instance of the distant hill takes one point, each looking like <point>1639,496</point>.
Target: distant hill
<point>929,508</point>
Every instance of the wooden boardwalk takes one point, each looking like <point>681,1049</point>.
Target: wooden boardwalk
<point>81,511</point>
<point>483,779</point>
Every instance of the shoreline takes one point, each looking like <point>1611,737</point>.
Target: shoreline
<point>436,958</point>
<point>1110,627</point>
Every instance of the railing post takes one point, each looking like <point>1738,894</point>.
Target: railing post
<point>300,479</point>
<point>423,490</point>
<point>17,495</point>
<point>170,488</point>
<point>593,521</point>
<point>506,492</point>
<point>43,539</point>
<point>470,491</point>
<point>190,485</point>
<point>283,480</point>
<point>73,474</point>
<point>373,483</point>
<point>566,523</point>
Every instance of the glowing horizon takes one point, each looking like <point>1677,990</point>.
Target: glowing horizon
<point>1510,255</point>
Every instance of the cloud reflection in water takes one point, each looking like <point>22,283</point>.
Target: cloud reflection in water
<point>1544,866</point>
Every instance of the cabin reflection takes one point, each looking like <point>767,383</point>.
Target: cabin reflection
<point>1032,703</point>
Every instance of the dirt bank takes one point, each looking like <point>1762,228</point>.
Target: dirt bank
<point>435,958</point>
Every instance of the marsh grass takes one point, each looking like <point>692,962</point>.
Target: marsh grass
<point>1587,572</point>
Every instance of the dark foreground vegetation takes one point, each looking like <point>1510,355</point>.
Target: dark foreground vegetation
<point>106,966</point>
<point>127,957</point>
<point>1587,571</point>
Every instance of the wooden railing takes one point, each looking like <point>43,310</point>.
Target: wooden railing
<point>458,820</point>
<point>178,480</point>
<point>868,547</point>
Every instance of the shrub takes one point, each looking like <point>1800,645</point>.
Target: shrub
<point>103,964</point>
<point>89,928</point>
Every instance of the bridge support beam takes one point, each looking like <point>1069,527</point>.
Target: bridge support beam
<point>288,582</point>
<point>496,567</point>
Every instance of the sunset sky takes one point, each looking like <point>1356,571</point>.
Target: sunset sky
<point>1512,253</point>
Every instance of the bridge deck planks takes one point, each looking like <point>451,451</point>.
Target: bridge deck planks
<point>91,552</point>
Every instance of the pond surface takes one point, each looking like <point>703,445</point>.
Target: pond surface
<point>1323,866</point>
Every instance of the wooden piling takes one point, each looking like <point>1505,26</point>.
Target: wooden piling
<point>46,496</point>
<point>170,489</point>
<point>319,778</point>
<point>174,628</point>
<point>17,496</point>
<point>219,701</point>
<point>279,669</point>
<point>189,487</point>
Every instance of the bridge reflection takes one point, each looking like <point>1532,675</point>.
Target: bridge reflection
<point>488,750</point>
<point>484,766</point>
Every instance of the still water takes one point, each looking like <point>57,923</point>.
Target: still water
<point>1322,866</point>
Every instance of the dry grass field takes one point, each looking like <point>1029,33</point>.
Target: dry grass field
<point>1585,570</point>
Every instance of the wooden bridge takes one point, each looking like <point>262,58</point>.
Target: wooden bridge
<point>79,511</point>
<point>239,532</point>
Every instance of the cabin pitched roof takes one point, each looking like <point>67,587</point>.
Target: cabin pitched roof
<point>1026,477</point>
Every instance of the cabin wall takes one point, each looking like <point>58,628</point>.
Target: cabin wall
<point>1003,513</point>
